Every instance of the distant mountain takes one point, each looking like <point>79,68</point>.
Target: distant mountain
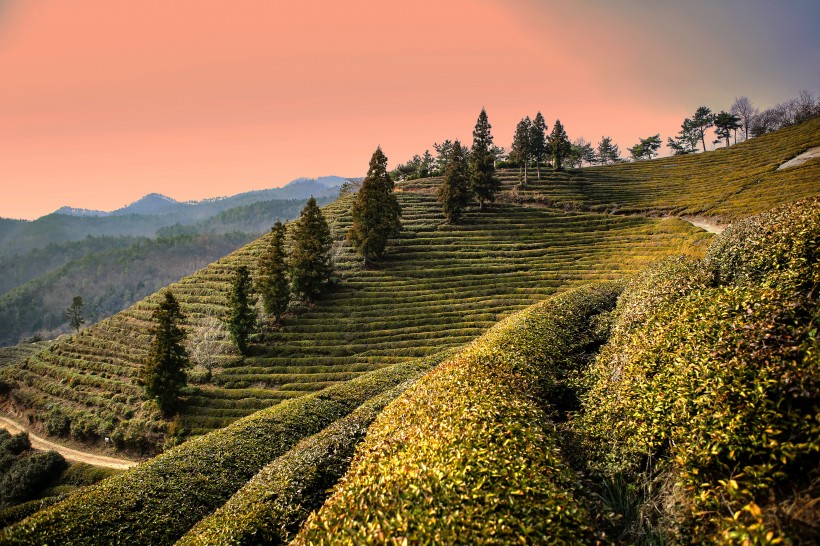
<point>156,204</point>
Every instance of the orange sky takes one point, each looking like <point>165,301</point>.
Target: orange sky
<point>104,101</point>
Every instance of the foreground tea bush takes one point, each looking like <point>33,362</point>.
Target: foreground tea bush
<point>159,500</point>
<point>272,506</point>
<point>708,396</point>
<point>467,455</point>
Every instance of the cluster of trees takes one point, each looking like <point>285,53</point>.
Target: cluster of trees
<point>743,117</point>
<point>469,173</point>
<point>532,144</point>
<point>304,273</point>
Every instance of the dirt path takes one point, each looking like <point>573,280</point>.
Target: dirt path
<point>70,454</point>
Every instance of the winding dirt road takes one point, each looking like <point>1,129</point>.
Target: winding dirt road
<point>70,454</point>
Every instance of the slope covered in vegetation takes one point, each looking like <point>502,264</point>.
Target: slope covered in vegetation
<point>698,422</point>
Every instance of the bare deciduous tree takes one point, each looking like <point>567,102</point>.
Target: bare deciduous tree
<point>744,110</point>
<point>209,343</point>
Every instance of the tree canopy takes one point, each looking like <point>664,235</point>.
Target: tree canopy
<point>376,212</point>
<point>725,124</point>
<point>242,313</point>
<point>559,145</point>
<point>163,374</point>
<point>521,147</point>
<point>75,313</point>
<point>310,264</point>
<point>483,182</point>
<point>273,280</point>
<point>538,141</point>
<point>454,192</point>
<point>607,151</point>
<point>646,148</point>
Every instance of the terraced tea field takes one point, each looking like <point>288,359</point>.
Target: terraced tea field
<point>725,185</point>
<point>441,286</point>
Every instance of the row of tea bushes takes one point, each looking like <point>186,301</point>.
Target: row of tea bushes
<point>159,500</point>
<point>708,397</point>
<point>468,454</point>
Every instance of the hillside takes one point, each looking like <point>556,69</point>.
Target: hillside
<point>38,286</point>
<point>679,407</point>
<point>440,287</point>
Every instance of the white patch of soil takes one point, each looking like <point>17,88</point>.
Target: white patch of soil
<point>802,158</point>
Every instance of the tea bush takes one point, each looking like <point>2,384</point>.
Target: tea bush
<point>714,385</point>
<point>467,454</point>
<point>157,501</point>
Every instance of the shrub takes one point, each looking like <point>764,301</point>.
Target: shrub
<point>467,454</point>
<point>272,506</point>
<point>193,479</point>
<point>716,386</point>
<point>29,475</point>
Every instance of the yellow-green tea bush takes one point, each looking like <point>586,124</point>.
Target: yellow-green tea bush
<point>159,500</point>
<point>272,506</point>
<point>468,455</point>
<point>715,386</point>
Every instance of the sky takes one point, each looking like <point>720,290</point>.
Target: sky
<point>102,101</point>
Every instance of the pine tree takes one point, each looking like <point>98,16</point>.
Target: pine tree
<point>454,193</point>
<point>273,282</point>
<point>376,212</point>
<point>310,265</point>
<point>558,144</point>
<point>725,124</point>
<point>241,306</point>
<point>607,151</point>
<point>521,147</point>
<point>701,121</point>
<point>538,141</point>
<point>483,182</point>
<point>163,374</point>
<point>645,148</point>
<point>74,314</point>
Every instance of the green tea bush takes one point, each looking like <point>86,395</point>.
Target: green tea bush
<point>468,455</point>
<point>272,506</point>
<point>159,500</point>
<point>27,476</point>
<point>712,387</point>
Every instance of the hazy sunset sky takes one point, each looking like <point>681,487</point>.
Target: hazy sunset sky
<point>103,101</point>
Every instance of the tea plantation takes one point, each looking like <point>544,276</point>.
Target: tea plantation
<point>574,364</point>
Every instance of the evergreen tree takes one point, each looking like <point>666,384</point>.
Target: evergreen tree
<point>558,144</point>
<point>686,141</point>
<point>607,151</point>
<point>376,212</point>
<point>646,148</point>
<point>442,156</point>
<point>273,282</point>
<point>241,307</point>
<point>581,151</point>
<point>163,374</point>
<point>521,147</point>
<point>74,314</point>
<point>310,265</point>
<point>453,193</point>
<point>725,124</point>
<point>538,141</point>
<point>700,122</point>
<point>483,182</point>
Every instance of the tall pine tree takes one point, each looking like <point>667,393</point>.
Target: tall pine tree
<point>163,373</point>
<point>376,212</point>
<point>483,182</point>
<point>241,308</point>
<point>521,146</point>
<point>538,141</point>
<point>559,145</point>
<point>454,191</point>
<point>273,280</point>
<point>310,265</point>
